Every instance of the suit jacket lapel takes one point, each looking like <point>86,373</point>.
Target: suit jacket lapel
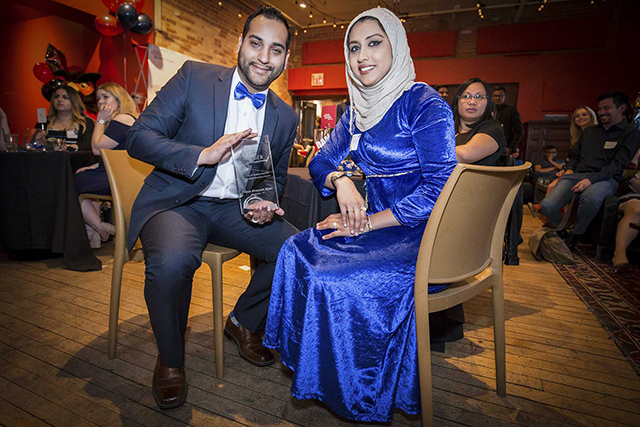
<point>270,117</point>
<point>221,102</point>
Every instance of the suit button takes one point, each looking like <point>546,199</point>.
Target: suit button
<point>202,185</point>
<point>177,202</point>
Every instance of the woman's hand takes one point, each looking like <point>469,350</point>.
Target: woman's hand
<point>353,214</point>
<point>334,222</point>
<point>86,168</point>
<point>105,113</point>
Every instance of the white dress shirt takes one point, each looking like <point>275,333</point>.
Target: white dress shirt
<point>241,115</point>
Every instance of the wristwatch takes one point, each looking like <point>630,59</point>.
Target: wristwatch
<point>102,122</point>
<point>337,175</point>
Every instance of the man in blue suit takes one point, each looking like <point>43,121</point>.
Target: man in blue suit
<point>191,197</point>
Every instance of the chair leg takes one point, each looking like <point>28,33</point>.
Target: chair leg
<point>424,367</point>
<point>215,264</point>
<point>114,304</point>
<point>497,297</point>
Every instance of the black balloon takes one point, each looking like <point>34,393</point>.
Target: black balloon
<point>144,24</point>
<point>127,15</point>
<point>46,91</point>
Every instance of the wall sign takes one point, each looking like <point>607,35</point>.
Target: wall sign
<point>317,79</point>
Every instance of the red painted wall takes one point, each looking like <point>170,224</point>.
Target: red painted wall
<point>422,45</point>
<point>548,82</point>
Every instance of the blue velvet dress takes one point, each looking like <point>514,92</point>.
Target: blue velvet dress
<point>342,310</point>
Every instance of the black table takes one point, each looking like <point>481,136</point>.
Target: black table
<point>39,208</point>
<point>303,205</point>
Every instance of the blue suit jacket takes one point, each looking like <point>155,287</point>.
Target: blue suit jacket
<point>187,115</point>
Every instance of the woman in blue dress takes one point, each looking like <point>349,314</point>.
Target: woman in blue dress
<point>342,308</point>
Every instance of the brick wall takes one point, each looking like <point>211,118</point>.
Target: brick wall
<point>204,30</point>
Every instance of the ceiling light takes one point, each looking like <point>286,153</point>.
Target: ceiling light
<point>303,5</point>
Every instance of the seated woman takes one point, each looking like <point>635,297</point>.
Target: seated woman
<point>342,313</point>
<point>629,225</point>
<point>582,118</point>
<point>480,139</point>
<point>66,118</point>
<point>116,115</point>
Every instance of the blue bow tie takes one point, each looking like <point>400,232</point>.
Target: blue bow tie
<point>241,92</point>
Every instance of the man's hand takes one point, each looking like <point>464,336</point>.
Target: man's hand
<point>221,149</point>
<point>581,186</point>
<point>262,212</point>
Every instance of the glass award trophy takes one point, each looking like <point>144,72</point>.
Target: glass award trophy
<point>255,175</point>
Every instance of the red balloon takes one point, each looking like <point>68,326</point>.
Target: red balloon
<point>112,5</point>
<point>42,72</point>
<point>108,25</point>
<point>138,4</point>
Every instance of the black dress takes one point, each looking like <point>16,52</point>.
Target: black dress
<point>95,181</point>
<point>81,139</point>
<point>490,127</point>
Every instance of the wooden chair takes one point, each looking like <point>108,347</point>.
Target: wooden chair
<point>462,245</point>
<point>126,176</point>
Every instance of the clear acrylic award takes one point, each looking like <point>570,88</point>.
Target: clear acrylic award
<point>255,175</point>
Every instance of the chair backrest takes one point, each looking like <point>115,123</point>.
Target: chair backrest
<point>126,176</point>
<point>465,232</point>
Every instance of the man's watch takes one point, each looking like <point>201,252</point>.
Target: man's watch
<point>102,122</point>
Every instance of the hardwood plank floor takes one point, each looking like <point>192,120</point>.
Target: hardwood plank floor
<point>562,367</point>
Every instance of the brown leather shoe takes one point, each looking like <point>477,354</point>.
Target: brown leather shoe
<point>169,385</point>
<point>249,345</point>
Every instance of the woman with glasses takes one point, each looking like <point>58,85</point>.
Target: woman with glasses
<point>480,139</point>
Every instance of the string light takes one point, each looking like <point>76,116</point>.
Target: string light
<point>296,33</point>
<point>303,5</point>
<point>342,27</point>
<point>480,7</point>
<point>305,31</point>
<point>334,25</point>
<point>220,3</point>
<point>542,4</point>
<point>311,15</point>
<point>239,14</point>
<point>324,20</point>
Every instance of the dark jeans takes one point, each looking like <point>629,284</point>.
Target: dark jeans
<point>590,200</point>
<point>173,242</point>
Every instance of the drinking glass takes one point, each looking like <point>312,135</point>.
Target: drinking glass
<point>60,144</point>
<point>11,141</point>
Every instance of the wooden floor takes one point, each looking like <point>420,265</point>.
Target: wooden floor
<point>562,367</point>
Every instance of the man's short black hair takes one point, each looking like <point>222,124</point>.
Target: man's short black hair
<point>269,12</point>
<point>499,88</point>
<point>617,96</point>
<point>549,147</point>
<point>438,87</point>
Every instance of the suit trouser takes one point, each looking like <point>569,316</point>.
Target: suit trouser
<point>173,242</point>
<point>590,200</point>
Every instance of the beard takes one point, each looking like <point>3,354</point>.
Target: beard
<point>258,81</point>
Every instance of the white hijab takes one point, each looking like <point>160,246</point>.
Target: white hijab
<point>369,104</point>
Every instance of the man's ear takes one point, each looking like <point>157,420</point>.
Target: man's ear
<point>239,44</point>
<point>286,60</point>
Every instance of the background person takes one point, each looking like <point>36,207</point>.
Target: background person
<point>509,117</point>
<point>581,118</point>
<point>480,139</point>
<point>66,113</point>
<point>117,112</point>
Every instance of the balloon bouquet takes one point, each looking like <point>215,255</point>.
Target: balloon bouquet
<point>125,16</point>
